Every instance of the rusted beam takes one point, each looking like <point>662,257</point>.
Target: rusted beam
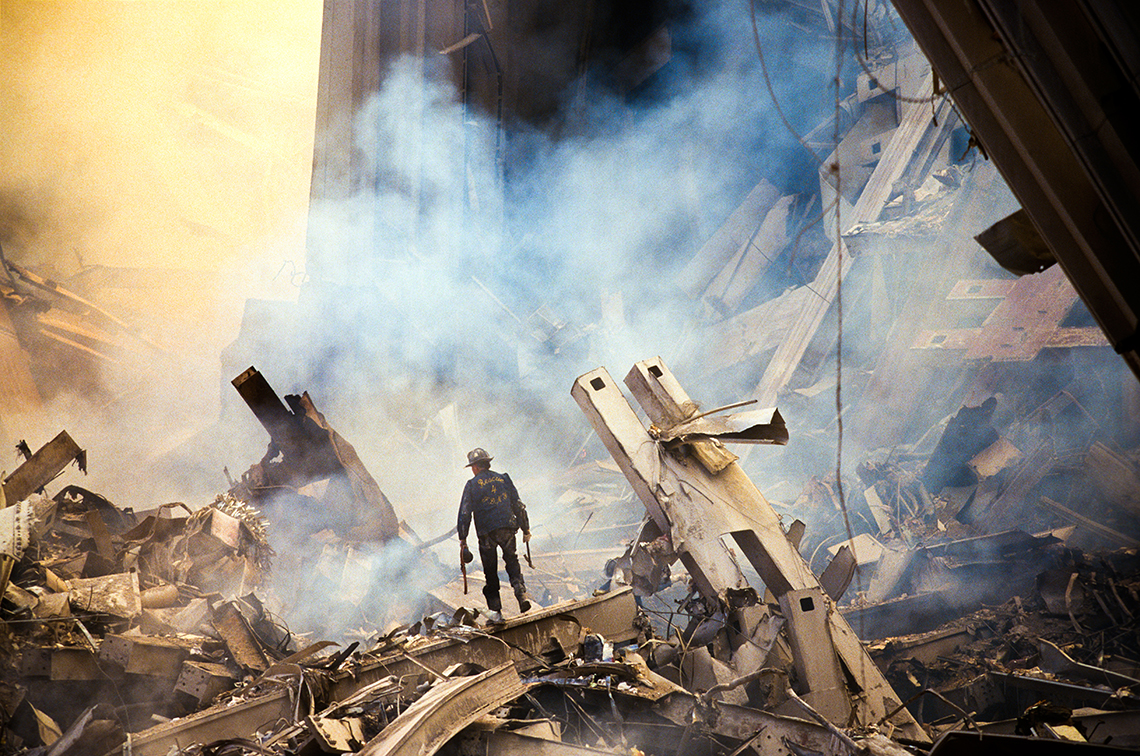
<point>44,465</point>
<point>266,406</point>
<point>507,743</point>
<point>243,646</point>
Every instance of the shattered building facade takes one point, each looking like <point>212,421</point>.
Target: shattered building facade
<point>877,494</point>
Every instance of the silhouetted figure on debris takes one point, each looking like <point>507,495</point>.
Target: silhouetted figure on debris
<point>499,513</point>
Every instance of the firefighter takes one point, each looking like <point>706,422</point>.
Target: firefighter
<point>490,497</point>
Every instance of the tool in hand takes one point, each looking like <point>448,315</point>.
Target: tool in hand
<point>465,556</point>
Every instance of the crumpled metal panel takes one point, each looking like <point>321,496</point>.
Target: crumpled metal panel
<point>445,710</point>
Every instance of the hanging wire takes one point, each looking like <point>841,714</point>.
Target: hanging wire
<point>835,169</point>
<point>839,248</point>
<point>771,92</point>
<point>935,95</point>
<point>816,160</point>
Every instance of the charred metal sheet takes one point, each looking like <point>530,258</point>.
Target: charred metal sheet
<point>311,450</point>
<point>445,710</point>
<point>762,426</point>
<point>967,434</point>
<point>44,465</point>
<point>1017,245</point>
<point>522,640</point>
<point>963,743</point>
<point>269,410</point>
<point>698,508</point>
<point>773,735</point>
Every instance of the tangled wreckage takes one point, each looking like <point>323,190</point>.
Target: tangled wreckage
<point>142,632</point>
<point>977,588</point>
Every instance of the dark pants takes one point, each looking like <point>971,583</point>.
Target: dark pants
<point>489,544</point>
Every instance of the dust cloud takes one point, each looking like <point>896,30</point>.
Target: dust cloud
<point>155,160</point>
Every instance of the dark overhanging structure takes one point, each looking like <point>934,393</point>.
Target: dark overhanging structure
<point>1050,91</point>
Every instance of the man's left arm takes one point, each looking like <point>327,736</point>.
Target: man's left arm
<point>464,521</point>
<point>518,508</point>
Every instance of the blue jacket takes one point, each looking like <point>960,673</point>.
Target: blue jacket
<point>492,499</point>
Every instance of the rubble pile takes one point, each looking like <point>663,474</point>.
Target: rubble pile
<point>1079,652</point>
<point>970,514</point>
<point>115,617</point>
<point>147,632</point>
<point>976,574</point>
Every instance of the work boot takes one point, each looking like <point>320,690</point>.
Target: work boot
<point>495,617</point>
<point>524,603</point>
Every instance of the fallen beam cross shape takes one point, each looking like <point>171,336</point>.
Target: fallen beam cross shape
<point>698,506</point>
